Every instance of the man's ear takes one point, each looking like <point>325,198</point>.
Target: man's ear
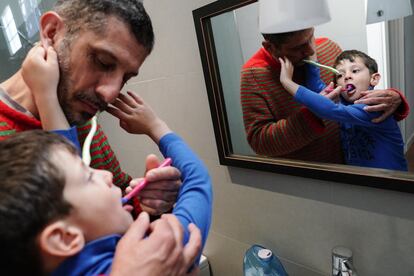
<point>375,78</point>
<point>60,239</point>
<point>267,45</point>
<point>51,25</point>
<point>271,48</point>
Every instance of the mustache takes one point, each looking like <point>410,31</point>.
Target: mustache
<point>91,98</point>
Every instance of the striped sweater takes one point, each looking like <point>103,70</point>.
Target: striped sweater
<point>12,121</point>
<point>278,126</point>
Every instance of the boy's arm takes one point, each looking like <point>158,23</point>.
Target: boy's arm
<point>195,195</point>
<point>194,201</point>
<point>325,108</point>
<point>40,71</point>
<point>138,118</point>
<point>313,79</point>
<point>268,132</point>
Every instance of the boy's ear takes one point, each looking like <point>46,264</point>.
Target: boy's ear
<point>51,25</point>
<point>375,78</point>
<point>60,239</point>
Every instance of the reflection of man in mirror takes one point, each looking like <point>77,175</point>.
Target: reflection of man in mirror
<point>364,143</point>
<point>276,125</point>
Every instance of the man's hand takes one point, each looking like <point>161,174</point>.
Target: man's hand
<point>161,192</point>
<point>187,254</point>
<point>386,101</point>
<point>160,253</point>
<point>331,93</point>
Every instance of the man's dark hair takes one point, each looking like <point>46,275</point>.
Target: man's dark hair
<point>31,197</point>
<point>92,14</point>
<point>280,38</point>
<point>351,55</point>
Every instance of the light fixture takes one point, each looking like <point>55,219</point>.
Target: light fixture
<point>384,10</point>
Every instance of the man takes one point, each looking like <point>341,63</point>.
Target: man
<point>276,125</point>
<point>100,45</point>
<point>97,55</point>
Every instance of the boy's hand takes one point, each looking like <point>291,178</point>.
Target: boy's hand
<point>160,194</point>
<point>286,70</point>
<point>136,117</point>
<point>40,71</point>
<point>286,73</point>
<point>386,101</point>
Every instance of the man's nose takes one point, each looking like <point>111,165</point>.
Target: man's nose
<point>308,51</point>
<point>108,88</point>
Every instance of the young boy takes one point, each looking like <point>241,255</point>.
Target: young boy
<point>59,216</point>
<point>62,217</point>
<point>367,144</point>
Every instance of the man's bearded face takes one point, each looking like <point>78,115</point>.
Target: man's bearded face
<point>68,97</point>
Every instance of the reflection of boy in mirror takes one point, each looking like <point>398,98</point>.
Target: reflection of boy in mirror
<point>278,126</point>
<point>364,143</point>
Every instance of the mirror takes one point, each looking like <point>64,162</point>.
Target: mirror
<point>19,29</point>
<point>227,33</point>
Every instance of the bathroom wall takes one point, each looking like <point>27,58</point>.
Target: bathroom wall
<point>300,219</point>
<point>409,68</point>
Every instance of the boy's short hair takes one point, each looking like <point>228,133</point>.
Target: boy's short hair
<point>351,55</point>
<point>31,197</point>
<point>92,14</point>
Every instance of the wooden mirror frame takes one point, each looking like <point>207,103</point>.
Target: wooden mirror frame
<point>378,178</point>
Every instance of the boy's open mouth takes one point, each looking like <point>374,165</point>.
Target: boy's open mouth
<point>350,89</point>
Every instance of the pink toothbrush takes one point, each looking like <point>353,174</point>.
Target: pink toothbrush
<point>143,183</point>
<point>349,87</point>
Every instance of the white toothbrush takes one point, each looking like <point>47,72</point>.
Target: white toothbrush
<point>329,68</point>
<point>86,149</point>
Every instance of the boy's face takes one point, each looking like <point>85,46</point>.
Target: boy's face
<point>96,201</point>
<point>356,73</point>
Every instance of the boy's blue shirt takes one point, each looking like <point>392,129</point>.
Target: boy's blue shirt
<point>367,144</point>
<point>94,259</point>
<point>71,134</point>
<point>194,205</point>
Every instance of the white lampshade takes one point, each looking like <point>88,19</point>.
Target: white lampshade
<point>281,16</point>
<point>383,10</point>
